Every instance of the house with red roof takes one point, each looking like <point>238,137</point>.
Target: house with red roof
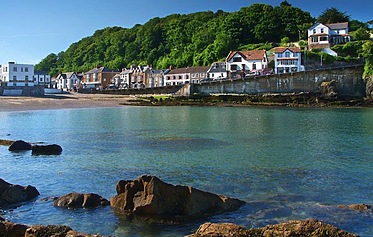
<point>288,59</point>
<point>243,63</point>
<point>322,36</point>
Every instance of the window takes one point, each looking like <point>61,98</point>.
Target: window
<point>280,55</point>
<point>21,69</point>
<point>322,30</point>
<point>14,78</point>
<point>5,69</point>
<point>14,69</point>
<point>187,77</point>
<point>26,69</point>
<point>238,59</point>
<point>233,67</point>
<point>168,78</point>
<point>287,55</point>
<point>314,31</point>
<point>26,78</point>
<point>324,38</point>
<point>180,77</point>
<point>254,66</point>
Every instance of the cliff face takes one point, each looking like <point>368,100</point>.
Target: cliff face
<point>369,86</point>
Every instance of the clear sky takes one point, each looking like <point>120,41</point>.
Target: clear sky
<point>30,30</point>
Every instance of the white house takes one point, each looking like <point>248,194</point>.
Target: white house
<point>13,74</point>
<point>218,71</point>
<point>243,63</point>
<point>67,81</point>
<point>42,78</point>
<point>325,35</point>
<point>288,60</point>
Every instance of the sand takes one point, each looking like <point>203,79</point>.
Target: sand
<point>63,101</point>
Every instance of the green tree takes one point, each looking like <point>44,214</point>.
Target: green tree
<point>361,34</point>
<point>333,15</point>
<point>367,52</point>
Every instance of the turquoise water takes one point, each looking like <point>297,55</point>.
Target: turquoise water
<point>285,163</point>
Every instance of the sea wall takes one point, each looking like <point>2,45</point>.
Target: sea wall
<point>349,81</point>
<point>21,90</point>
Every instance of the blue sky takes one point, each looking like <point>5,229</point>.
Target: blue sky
<point>31,30</point>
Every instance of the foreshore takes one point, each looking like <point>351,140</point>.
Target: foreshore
<point>63,101</point>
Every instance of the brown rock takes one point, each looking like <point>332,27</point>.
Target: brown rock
<point>357,207</point>
<point>47,231</point>
<point>304,228</point>
<point>10,229</point>
<point>148,195</point>
<point>13,194</point>
<point>80,200</point>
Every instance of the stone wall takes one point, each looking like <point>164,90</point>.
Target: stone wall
<point>21,90</point>
<point>349,80</point>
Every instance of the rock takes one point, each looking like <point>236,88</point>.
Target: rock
<point>6,142</point>
<point>10,229</point>
<point>329,88</point>
<point>149,196</point>
<point>357,207</point>
<point>13,194</point>
<point>304,228</point>
<point>47,231</point>
<point>221,230</point>
<point>46,149</point>
<point>79,200</point>
<point>20,146</point>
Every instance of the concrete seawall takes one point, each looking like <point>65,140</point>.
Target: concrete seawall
<point>349,80</point>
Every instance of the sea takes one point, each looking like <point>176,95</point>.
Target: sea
<point>285,163</point>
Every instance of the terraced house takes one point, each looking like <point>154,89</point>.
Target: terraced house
<point>245,63</point>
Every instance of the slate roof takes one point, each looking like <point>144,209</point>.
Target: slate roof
<point>248,54</point>
<point>218,67</point>
<point>100,70</point>
<point>189,70</point>
<point>66,75</point>
<point>336,26</point>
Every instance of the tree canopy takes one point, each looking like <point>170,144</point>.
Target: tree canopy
<point>333,15</point>
<point>181,40</point>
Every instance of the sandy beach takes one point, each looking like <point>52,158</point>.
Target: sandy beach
<point>62,101</point>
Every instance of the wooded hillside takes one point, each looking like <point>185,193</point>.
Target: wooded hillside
<point>182,40</point>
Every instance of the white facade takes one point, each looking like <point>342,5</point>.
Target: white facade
<point>288,60</point>
<point>324,35</point>
<point>13,74</point>
<point>67,81</point>
<point>218,71</point>
<point>242,63</point>
<point>42,78</point>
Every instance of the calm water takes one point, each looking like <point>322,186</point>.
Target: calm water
<point>285,163</point>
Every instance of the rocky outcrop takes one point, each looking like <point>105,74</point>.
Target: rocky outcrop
<point>10,229</point>
<point>304,228</point>
<point>357,207</point>
<point>81,200</point>
<point>13,194</point>
<point>46,149</point>
<point>20,146</point>
<point>150,196</point>
<point>329,88</point>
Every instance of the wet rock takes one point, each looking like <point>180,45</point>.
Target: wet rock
<point>149,196</point>
<point>20,146</point>
<point>304,228</point>
<point>6,142</point>
<point>13,194</point>
<point>53,149</point>
<point>357,207</point>
<point>81,200</point>
<point>47,231</point>
<point>10,229</point>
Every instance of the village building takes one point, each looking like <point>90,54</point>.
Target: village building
<point>13,74</point>
<point>185,75</point>
<point>323,36</point>
<point>245,63</point>
<point>99,77</point>
<point>42,78</point>
<point>67,81</point>
<point>218,71</point>
<point>288,59</point>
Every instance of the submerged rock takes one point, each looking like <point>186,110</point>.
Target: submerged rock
<point>304,228</point>
<point>13,194</point>
<point>81,200</point>
<point>53,149</point>
<point>357,207</point>
<point>20,146</point>
<point>149,196</point>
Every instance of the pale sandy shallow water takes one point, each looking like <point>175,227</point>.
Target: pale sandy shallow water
<point>285,163</point>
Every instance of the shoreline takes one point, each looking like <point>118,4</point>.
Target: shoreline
<point>79,101</point>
